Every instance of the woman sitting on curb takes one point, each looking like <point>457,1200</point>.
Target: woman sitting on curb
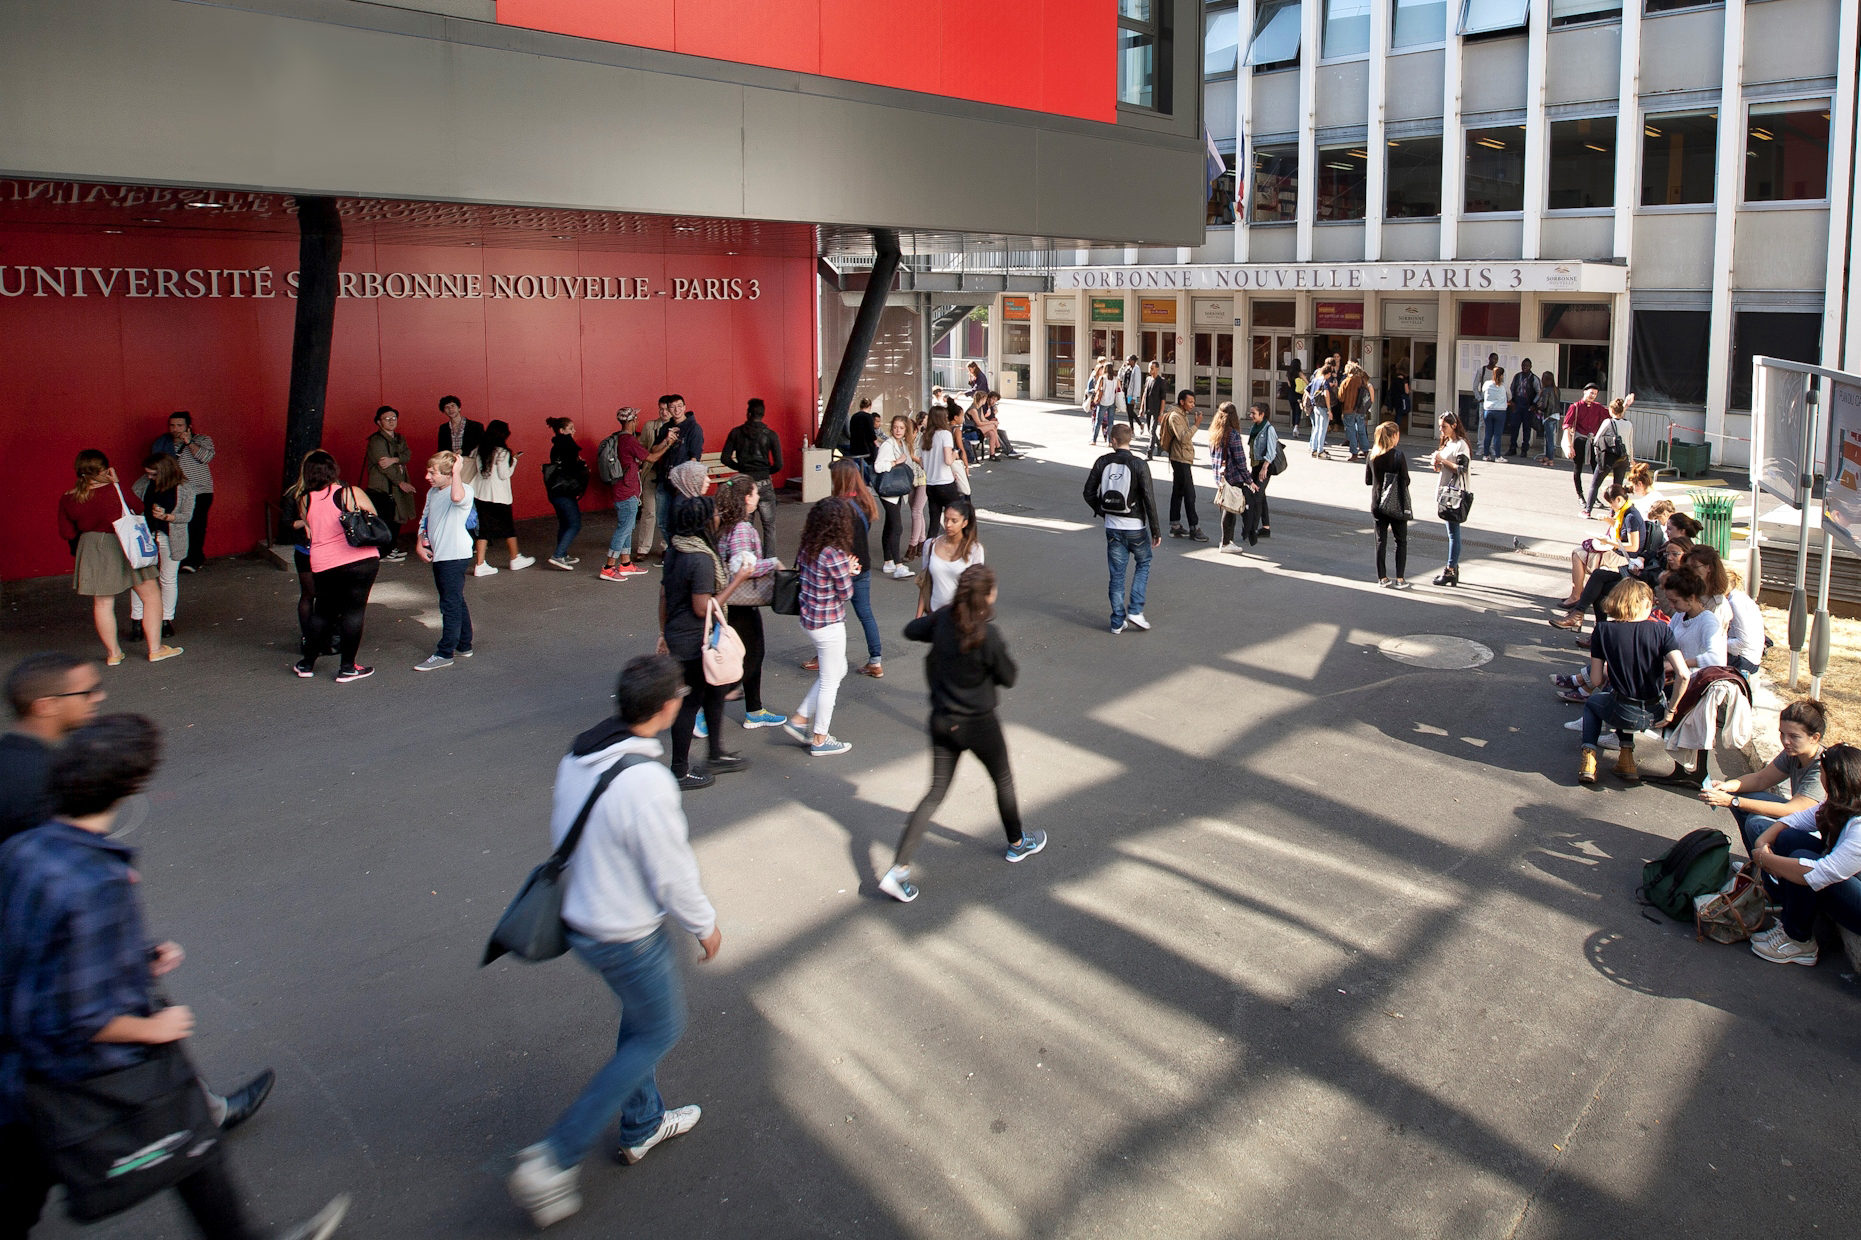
<point>1795,774</point>
<point>1629,656</point>
<point>1811,863</point>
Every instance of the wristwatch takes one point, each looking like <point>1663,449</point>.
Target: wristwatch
<point>1734,802</point>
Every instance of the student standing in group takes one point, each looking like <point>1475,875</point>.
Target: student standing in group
<point>896,450</point>
<point>755,451</point>
<point>940,487</point>
<point>623,461</point>
<point>1450,460</point>
<point>565,479</point>
<point>1635,653</point>
<point>87,516</point>
<point>694,576</point>
<point>957,548</point>
<point>862,433</point>
<point>1387,474</point>
<point>168,502</point>
<point>192,452</point>
<point>489,470</point>
<point>1118,492</point>
<point>386,479</point>
<point>1521,410</point>
<point>967,662</point>
<point>648,540</point>
<point>1355,400</point>
<point>1227,448</point>
<point>683,440</point>
<point>344,574</point>
<point>446,544</point>
<point>77,975</point>
<point>1263,450</point>
<point>1548,415</point>
<point>52,694</point>
<point>850,485</point>
<point>1612,449</point>
<point>632,871</point>
<point>1493,401</point>
<point>1319,399</point>
<point>1131,389</point>
<point>741,546</point>
<point>459,434</point>
<point>920,494</point>
<point>1179,427</point>
<point>1156,392</point>
<point>827,571</point>
<point>1582,421</point>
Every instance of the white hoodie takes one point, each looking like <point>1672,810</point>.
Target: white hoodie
<point>634,866</point>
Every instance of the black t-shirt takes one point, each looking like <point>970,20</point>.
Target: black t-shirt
<point>685,574</point>
<point>1634,651</point>
<point>863,434</point>
<point>25,761</point>
<point>164,500</point>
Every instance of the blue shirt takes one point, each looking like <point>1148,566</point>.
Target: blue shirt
<point>73,957</point>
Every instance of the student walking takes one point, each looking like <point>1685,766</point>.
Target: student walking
<point>52,695</point>
<point>565,481</point>
<point>87,516</point>
<point>445,542</point>
<point>344,574</point>
<point>957,548</point>
<point>1118,492</point>
<point>385,477</point>
<point>1387,475</point>
<point>1104,399</point>
<point>1635,653</point>
<point>1493,402</point>
<point>168,503</point>
<point>631,872</point>
<point>755,451</point>
<point>693,578</point>
<point>850,485</point>
<point>827,571</point>
<point>194,453</point>
<point>1156,391</point>
<point>1450,461</point>
<point>1581,422</point>
<point>940,466</point>
<point>1263,454</point>
<point>967,663</point>
<point>739,542</point>
<point>1179,427</point>
<point>896,451</point>
<point>489,470</point>
<point>1612,448</point>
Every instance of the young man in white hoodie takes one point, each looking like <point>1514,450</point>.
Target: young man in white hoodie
<point>632,870</point>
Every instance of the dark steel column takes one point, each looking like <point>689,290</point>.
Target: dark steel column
<point>859,344</point>
<point>319,255</point>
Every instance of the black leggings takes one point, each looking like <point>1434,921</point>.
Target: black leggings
<point>711,698</point>
<point>1384,526</point>
<point>950,735</point>
<point>1579,460</point>
<point>1615,466</point>
<point>747,621</point>
<point>342,598</point>
<point>897,519</point>
<point>1182,493</point>
<point>939,497</point>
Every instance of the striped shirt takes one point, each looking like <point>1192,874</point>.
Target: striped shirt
<point>826,585</point>
<point>193,458</point>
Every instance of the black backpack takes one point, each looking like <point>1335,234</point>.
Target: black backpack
<point>1697,864</point>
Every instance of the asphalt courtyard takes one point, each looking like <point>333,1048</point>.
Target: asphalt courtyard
<point>1324,944</point>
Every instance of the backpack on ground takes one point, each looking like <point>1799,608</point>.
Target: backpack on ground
<point>1115,485</point>
<point>607,459</point>
<point>1696,865</point>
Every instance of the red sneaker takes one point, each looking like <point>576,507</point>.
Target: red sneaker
<point>612,573</point>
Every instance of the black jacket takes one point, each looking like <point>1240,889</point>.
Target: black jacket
<point>1393,462</point>
<point>1155,394</point>
<point>690,445</point>
<point>962,682</point>
<point>753,450</point>
<point>1146,504</point>
<point>474,431</point>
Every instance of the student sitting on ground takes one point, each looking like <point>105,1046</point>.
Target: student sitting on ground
<point>1789,782</point>
<point>1575,688</point>
<point>1629,657</point>
<point>1737,611</point>
<point>1612,550</point>
<point>1811,863</point>
<point>1696,629</point>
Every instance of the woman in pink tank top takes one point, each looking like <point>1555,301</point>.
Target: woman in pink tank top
<point>343,574</point>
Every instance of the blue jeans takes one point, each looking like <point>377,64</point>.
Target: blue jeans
<point>1321,424</point>
<point>626,512</point>
<point>645,978</point>
<point>1841,901</point>
<point>1122,546</point>
<point>1356,434</point>
<point>1102,418</point>
<point>862,607</point>
<point>1753,822</point>
<point>1495,427</point>
<point>663,509</point>
<point>455,631</point>
<point>1601,710</point>
<point>1453,544</point>
<point>568,522</point>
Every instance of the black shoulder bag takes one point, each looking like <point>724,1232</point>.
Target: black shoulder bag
<point>531,928</point>
<point>361,527</point>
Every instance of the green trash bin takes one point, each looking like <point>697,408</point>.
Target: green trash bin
<point>1691,460</point>
<point>1713,510</point>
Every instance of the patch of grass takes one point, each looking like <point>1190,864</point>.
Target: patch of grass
<point>1841,683</point>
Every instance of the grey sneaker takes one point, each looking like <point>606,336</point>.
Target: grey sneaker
<point>1031,843</point>
<point>674,1123</point>
<point>546,1191</point>
<point>323,1225</point>
<point>432,663</point>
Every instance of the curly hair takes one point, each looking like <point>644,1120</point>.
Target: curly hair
<point>732,502</point>
<point>970,608</point>
<point>830,524</point>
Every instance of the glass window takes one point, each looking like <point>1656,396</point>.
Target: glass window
<point>1489,320</point>
<point>1413,183</point>
<point>1137,68</point>
<point>1667,356</point>
<point>1568,12</point>
<point>1481,16</point>
<point>1668,6</point>
<point>1221,200</point>
<point>1418,22</point>
<point>1276,34</point>
<point>1495,170</point>
<point>1275,196</point>
<point>1221,46</point>
<point>1791,337</point>
<point>1139,9</point>
<point>1274,313</point>
<point>1343,182</point>
<point>1575,320</point>
<point>1679,155</point>
<point>1347,27</point>
<point>1582,164</point>
<point>1787,152</point>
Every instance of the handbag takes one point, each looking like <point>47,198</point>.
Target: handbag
<point>1733,913</point>
<point>1389,505</point>
<point>722,653</point>
<point>565,479</point>
<point>132,531</point>
<point>1454,501</point>
<point>120,1137</point>
<point>531,927</point>
<point>1230,498</point>
<point>785,592</point>
<point>895,482</point>
<point>363,528</point>
<point>959,471</point>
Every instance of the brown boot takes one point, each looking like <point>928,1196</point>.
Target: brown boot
<point>1586,766</point>
<point>1625,765</point>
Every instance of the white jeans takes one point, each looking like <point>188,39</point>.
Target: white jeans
<point>168,572</point>
<point>830,650</point>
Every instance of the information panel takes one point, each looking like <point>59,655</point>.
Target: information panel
<point>1841,501</point>
<point>1780,419</point>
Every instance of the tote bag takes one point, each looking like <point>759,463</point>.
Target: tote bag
<point>785,592</point>
<point>960,472</point>
<point>722,653</point>
<point>133,533</point>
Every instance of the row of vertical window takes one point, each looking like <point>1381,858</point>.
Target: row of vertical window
<point>1786,160</point>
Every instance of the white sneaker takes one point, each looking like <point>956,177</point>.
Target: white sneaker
<point>897,885</point>
<point>904,572</point>
<point>674,1123</point>
<point>483,570</point>
<point>323,1225</point>
<point>1785,950</point>
<point>1136,620</point>
<point>521,562</point>
<point>888,568</point>
<point>547,1191</point>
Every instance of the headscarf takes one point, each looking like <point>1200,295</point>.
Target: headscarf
<point>689,478</point>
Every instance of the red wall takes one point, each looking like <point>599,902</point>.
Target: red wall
<point>1046,55</point>
<point>104,372</point>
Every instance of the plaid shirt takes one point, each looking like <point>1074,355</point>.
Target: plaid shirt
<point>740,540</point>
<point>826,585</point>
<point>73,957</point>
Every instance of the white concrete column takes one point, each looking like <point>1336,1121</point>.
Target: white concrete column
<point>1531,322</point>
<point>1309,13</point>
<point>1537,131</point>
<point>1243,131</point>
<point>1618,345</point>
<point>1628,135</point>
<point>1185,350</point>
<point>1037,342</point>
<point>1447,400</point>
<point>1377,145</point>
<point>997,324</point>
<point>1838,292</point>
<point>1453,149</point>
<point>1729,191</point>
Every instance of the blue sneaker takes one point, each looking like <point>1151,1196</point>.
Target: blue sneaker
<point>895,885</point>
<point>764,719</point>
<point>1031,843</point>
<point>828,747</point>
<point>700,729</point>
<point>799,733</point>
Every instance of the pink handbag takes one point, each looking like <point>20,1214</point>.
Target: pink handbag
<point>722,653</point>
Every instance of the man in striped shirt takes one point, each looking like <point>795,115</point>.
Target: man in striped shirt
<point>194,452</point>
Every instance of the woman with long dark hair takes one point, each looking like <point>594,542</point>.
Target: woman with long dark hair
<point>1450,460</point>
<point>1227,446</point>
<point>489,468</point>
<point>827,567</point>
<point>1811,863</point>
<point>948,555</point>
<point>940,457</point>
<point>740,543</point>
<point>1387,475</point>
<point>694,575</point>
<point>168,502</point>
<point>967,662</point>
<point>850,485</point>
<point>565,479</point>
<point>300,548</point>
<point>344,574</point>
<point>87,516</point>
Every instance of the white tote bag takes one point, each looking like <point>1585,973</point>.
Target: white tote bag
<point>133,532</point>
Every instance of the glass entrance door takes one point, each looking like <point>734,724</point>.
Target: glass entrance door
<point>1017,359</point>
<point>1214,366</point>
<point>1108,342</point>
<point>1267,364</point>
<point>1160,347</point>
<point>1414,358</point>
<point>1060,385</point>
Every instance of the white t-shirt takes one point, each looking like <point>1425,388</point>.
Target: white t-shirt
<point>1744,626</point>
<point>1700,639</point>
<point>1456,453</point>
<point>444,522</point>
<point>937,471</point>
<point>944,573</point>
<point>1493,396</point>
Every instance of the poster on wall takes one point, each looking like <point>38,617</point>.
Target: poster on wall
<point>1159,309</point>
<point>1060,309</point>
<point>1337,316</point>
<point>1212,313</point>
<point>1411,317</point>
<point>1015,310</point>
<point>1108,309</point>
<point>1471,357</point>
<point>1841,500</point>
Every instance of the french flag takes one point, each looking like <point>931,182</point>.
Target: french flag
<point>1217,166</point>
